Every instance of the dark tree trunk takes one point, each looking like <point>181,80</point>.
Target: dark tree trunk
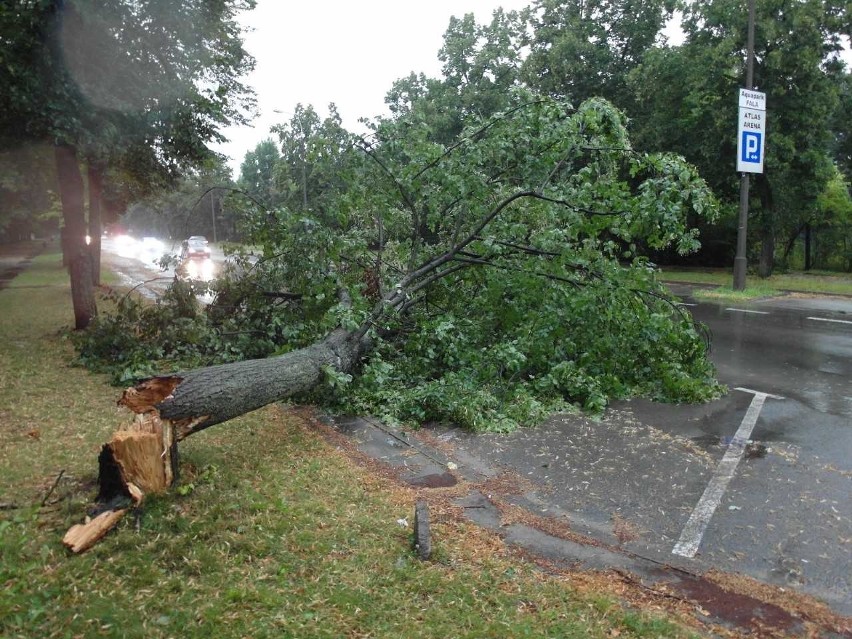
<point>95,177</point>
<point>204,397</point>
<point>808,264</point>
<point>767,252</point>
<point>791,242</point>
<point>77,253</point>
<point>767,229</point>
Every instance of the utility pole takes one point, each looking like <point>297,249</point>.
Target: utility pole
<point>740,261</point>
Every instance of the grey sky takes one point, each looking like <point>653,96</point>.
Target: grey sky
<point>348,53</point>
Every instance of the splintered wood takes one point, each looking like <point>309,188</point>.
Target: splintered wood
<point>81,537</point>
<point>144,397</point>
<point>137,461</point>
<point>142,455</point>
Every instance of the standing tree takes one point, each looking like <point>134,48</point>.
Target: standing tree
<point>580,49</point>
<point>481,64</point>
<point>314,158</point>
<point>257,173</point>
<point>686,102</point>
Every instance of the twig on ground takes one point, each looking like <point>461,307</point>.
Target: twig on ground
<point>52,488</point>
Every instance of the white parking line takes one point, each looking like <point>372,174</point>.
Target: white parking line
<point>826,319</point>
<point>745,310</point>
<point>693,532</point>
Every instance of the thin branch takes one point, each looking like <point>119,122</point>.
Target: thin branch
<point>448,255</point>
<point>702,329</point>
<point>525,249</point>
<point>516,269</point>
<point>365,147</point>
<point>53,487</point>
<point>476,134</point>
<point>580,209</point>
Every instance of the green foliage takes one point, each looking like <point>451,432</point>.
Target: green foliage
<point>498,277</point>
<point>520,350</point>
<point>684,100</point>
<point>27,201</point>
<point>579,50</point>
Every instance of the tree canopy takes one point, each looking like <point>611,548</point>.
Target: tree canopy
<point>138,88</point>
<point>487,282</point>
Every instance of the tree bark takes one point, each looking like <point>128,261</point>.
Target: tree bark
<point>808,264</point>
<point>142,458</point>
<point>766,263</point>
<point>198,399</point>
<point>76,254</point>
<point>791,242</point>
<point>767,252</point>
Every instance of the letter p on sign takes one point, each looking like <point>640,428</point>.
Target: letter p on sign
<point>751,147</point>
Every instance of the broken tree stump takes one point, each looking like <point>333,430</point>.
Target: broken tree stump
<point>140,459</point>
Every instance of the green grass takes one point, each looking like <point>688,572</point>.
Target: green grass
<point>815,282</point>
<point>278,533</point>
<point>728,294</point>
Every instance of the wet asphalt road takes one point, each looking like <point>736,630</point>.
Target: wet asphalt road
<point>635,477</point>
<point>139,269</point>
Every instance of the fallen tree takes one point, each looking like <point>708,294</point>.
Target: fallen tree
<point>486,283</point>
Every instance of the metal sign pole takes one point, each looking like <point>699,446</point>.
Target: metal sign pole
<point>740,261</point>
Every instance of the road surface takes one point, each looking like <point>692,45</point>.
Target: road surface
<point>758,482</point>
<point>138,269</point>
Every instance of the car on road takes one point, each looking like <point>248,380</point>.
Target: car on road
<point>195,247</point>
<point>196,261</point>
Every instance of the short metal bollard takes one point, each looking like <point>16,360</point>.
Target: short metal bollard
<point>422,535</point>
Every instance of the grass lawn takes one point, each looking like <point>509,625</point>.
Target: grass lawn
<point>816,282</point>
<point>273,533</point>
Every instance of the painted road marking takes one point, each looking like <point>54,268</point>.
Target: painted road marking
<point>692,533</point>
<point>745,310</point>
<point>826,319</point>
<point>755,392</point>
<point>686,304</point>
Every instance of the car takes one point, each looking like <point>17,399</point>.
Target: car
<point>195,247</point>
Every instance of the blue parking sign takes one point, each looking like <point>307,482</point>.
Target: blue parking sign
<point>751,136</point>
<point>751,147</point>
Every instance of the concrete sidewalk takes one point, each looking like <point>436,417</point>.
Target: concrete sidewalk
<point>523,512</point>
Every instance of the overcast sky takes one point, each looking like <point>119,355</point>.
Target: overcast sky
<point>346,52</point>
<point>343,51</point>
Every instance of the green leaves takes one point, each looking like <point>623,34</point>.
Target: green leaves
<point>488,273</point>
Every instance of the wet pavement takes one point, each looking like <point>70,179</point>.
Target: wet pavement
<point>632,480</point>
<point>17,258</point>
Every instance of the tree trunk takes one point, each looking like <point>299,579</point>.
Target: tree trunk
<point>201,398</point>
<point>95,178</point>
<point>791,242</point>
<point>767,229</point>
<point>142,458</point>
<point>808,264</point>
<point>767,252</point>
<point>77,253</point>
